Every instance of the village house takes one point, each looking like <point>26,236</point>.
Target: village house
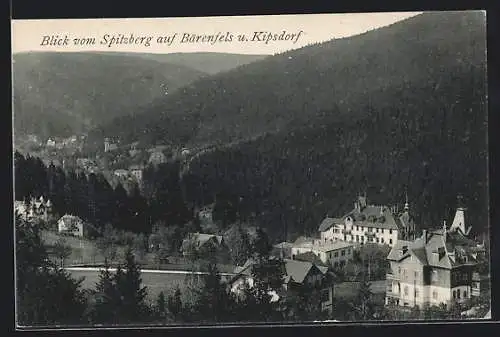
<point>433,269</point>
<point>120,173</point>
<point>136,171</point>
<point>51,142</point>
<point>157,157</point>
<point>370,223</point>
<point>296,275</point>
<point>334,253</point>
<point>109,145</point>
<point>34,209</point>
<point>202,243</point>
<point>71,225</point>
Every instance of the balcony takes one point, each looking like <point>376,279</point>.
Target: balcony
<point>346,231</point>
<point>370,234</point>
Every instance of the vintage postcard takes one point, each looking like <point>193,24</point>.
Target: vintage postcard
<point>251,170</point>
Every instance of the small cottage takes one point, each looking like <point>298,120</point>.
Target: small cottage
<point>71,225</point>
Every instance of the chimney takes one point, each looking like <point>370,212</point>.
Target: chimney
<point>404,249</point>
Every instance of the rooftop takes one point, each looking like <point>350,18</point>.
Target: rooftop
<point>323,246</point>
<point>435,248</point>
<point>295,271</point>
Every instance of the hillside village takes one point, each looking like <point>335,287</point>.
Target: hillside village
<point>413,266</point>
<point>355,195</point>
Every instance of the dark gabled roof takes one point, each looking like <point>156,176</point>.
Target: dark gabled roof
<point>295,271</point>
<point>426,250</point>
<point>363,217</point>
<point>395,253</point>
<point>328,222</point>
<point>201,238</point>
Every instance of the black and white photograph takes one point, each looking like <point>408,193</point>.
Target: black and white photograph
<point>251,170</point>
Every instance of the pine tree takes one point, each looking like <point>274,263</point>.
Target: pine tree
<point>213,302</point>
<point>261,245</point>
<point>363,308</point>
<point>175,307</point>
<point>161,305</point>
<point>106,296</point>
<point>46,294</point>
<point>132,294</point>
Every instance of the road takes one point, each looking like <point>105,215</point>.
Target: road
<point>155,281</point>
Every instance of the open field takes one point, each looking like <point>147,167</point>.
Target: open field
<point>154,282</point>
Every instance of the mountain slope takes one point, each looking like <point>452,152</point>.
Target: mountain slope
<point>58,94</point>
<point>207,62</point>
<point>401,107</point>
<point>412,115</point>
<point>314,84</point>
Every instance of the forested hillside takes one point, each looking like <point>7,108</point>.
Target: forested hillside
<point>293,179</point>
<point>59,94</point>
<point>399,107</point>
<point>207,62</point>
<point>316,84</point>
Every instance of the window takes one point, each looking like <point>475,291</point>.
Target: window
<point>382,240</point>
<point>454,294</point>
<point>325,296</point>
<point>416,292</point>
<point>465,293</point>
<point>336,254</point>
<point>342,252</point>
<point>357,228</point>
<point>434,295</point>
<point>390,241</point>
<point>336,264</point>
<point>434,276</point>
<point>378,240</point>
<point>376,230</point>
<point>390,231</point>
<point>406,290</point>
<point>416,274</point>
<point>357,238</point>
<point>458,294</point>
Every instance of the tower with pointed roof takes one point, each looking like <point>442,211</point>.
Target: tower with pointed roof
<point>458,224</point>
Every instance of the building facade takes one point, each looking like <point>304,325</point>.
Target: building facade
<point>334,253</point>
<point>436,268</point>
<point>370,223</point>
<point>296,274</point>
<point>71,225</point>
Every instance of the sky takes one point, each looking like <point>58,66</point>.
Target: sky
<point>97,34</point>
